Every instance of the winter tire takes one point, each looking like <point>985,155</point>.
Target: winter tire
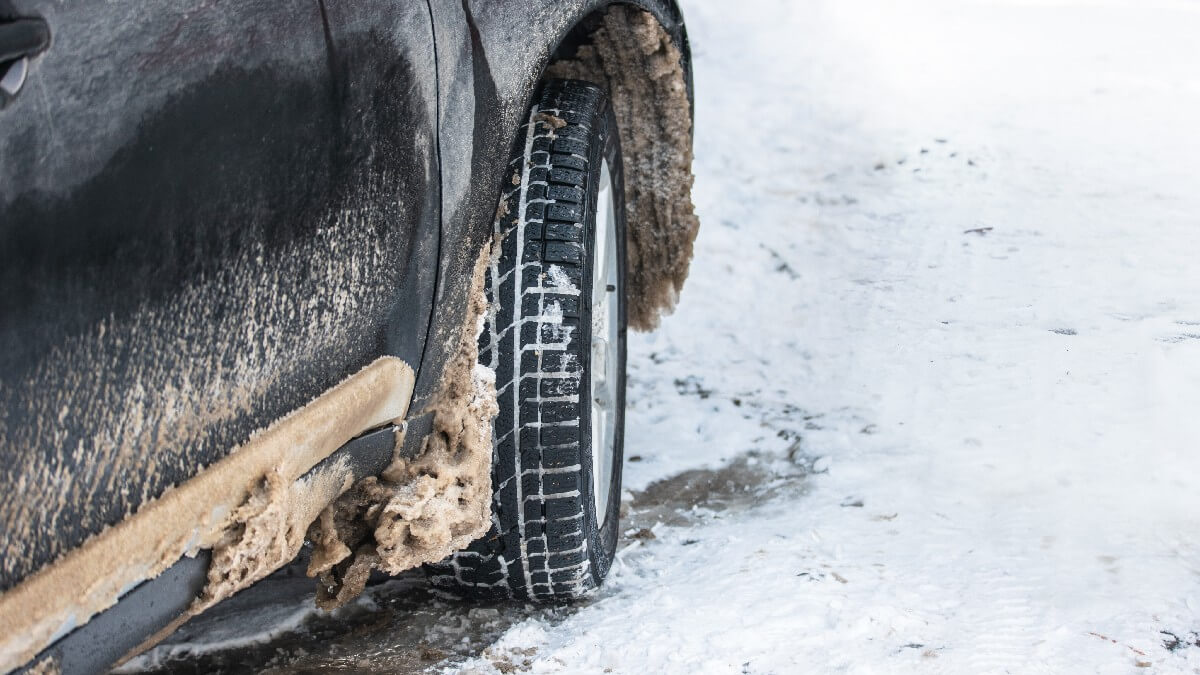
<point>555,335</point>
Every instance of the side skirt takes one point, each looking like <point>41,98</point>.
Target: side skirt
<point>146,571</point>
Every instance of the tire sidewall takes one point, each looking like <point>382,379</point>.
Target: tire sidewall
<point>602,535</point>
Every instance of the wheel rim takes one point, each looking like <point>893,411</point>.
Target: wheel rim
<point>604,358</point>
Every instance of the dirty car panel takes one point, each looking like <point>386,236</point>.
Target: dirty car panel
<point>209,215</point>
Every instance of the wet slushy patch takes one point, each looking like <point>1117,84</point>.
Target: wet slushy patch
<point>404,625</point>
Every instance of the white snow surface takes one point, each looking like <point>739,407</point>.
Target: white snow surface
<point>948,261</point>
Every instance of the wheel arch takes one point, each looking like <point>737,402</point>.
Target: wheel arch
<point>639,52</point>
<point>666,12</point>
<point>485,46</point>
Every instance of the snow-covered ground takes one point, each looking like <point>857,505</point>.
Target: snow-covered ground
<point>948,260</point>
<point>931,398</point>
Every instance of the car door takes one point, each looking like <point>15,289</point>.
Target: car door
<point>210,212</point>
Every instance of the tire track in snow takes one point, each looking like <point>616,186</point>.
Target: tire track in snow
<point>1001,634</point>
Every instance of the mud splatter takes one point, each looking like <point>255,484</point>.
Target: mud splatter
<point>47,666</point>
<point>251,523</point>
<point>422,509</point>
<point>634,58</point>
<point>269,530</point>
<point>405,626</point>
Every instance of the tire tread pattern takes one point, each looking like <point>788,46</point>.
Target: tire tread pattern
<point>537,548</point>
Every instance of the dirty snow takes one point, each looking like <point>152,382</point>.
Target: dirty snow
<point>928,402</point>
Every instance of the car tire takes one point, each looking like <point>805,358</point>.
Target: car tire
<point>555,336</point>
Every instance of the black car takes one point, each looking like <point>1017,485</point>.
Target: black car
<point>340,280</point>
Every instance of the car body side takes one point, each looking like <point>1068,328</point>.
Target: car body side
<point>211,214</point>
<point>207,221</point>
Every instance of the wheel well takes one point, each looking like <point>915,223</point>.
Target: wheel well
<point>643,63</point>
<point>669,17</point>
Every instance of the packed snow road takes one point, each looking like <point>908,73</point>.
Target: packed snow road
<point>929,399</point>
